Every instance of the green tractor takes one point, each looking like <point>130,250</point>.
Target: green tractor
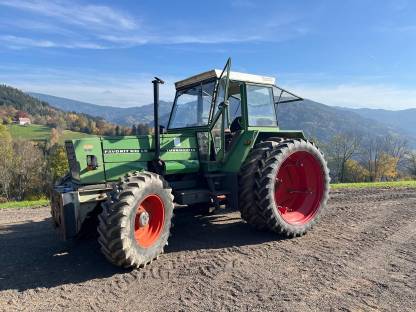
<point>222,145</point>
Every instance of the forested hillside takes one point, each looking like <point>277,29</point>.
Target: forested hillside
<point>323,122</point>
<point>126,116</point>
<point>15,103</point>
<point>32,157</point>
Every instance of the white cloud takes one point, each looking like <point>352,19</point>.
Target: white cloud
<point>179,39</point>
<point>99,26</point>
<point>359,95</point>
<point>67,25</point>
<point>14,42</point>
<point>72,13</point>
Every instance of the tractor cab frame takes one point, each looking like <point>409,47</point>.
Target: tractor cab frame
<point>219,105</point>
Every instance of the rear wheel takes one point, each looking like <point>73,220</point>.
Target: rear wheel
<point>135,223</point>
<point>292,186</point>
<point>246,198</point>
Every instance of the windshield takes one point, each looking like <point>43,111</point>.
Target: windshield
<point>192,106</point>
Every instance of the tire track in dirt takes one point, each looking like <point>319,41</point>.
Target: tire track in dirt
<point>364,233</point>
<point>206,273</point>
<point>217,275</point>
<point>368,245</point>
<point>355,273</point>
<point>202,268</point>
<point>361,256</point>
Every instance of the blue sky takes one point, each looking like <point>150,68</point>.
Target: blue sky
<point>347,53</point>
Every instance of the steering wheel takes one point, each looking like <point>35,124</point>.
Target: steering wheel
<point>236,124</point>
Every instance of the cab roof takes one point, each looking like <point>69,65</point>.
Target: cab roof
<point>216,73</point>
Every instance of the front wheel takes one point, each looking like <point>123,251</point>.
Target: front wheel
<point>135,223</point>
<point>292,187</point>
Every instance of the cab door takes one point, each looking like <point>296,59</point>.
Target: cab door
<point>219,113</point>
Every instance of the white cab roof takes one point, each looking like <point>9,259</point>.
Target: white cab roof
<point>216,73</point>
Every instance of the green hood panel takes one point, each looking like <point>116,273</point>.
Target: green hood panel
<point>119,155</point>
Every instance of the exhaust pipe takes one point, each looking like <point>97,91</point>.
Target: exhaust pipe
<point>156,83</point>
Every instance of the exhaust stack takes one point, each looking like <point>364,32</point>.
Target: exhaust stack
<point>156,83</point>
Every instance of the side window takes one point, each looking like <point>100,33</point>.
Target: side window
<point>234,100</point>
<point>235,106</point>
<point>260,104</point>
<point>216,134</point>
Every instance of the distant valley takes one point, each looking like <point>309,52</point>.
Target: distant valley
<point>401,119</point>
<point>317,120</point>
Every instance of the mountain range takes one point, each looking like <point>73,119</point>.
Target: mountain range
<point>401,119</point>
<point>316,119</point>
<point>126,116</point>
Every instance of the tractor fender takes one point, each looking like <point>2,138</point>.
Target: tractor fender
<point>287,134</point>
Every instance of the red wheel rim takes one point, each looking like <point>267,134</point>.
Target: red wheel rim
<point>299,188</point>
<point>149,220</point>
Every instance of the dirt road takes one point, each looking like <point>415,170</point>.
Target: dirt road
<point>361,256</point>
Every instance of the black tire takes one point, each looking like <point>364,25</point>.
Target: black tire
<point>246,180</point>
<point>117,221</point>
<point>265,180</point>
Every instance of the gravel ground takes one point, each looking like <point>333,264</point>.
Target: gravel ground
<point>360,257</point>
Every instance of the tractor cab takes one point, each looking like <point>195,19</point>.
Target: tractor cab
<point>219,104</point>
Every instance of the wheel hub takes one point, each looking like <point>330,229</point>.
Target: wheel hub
<point>149,220</point>
<point>299,188</point>
<point>144,218</point>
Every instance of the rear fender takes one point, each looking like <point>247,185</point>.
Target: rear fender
<point>288,134</point>
<point>245,143</point>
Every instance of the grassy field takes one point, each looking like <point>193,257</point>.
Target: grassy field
<point>39,132</point>
<point>25,204</point>
<point>375,184</point>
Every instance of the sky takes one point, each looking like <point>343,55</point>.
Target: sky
<point>358,53</point>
